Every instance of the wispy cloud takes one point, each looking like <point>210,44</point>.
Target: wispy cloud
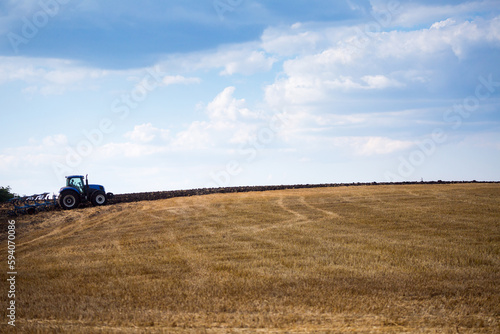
<point>416,14</point>
<point>179,79</point>
<point>146,133</point>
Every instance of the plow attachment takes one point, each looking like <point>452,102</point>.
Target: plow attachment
<point>32,204</point>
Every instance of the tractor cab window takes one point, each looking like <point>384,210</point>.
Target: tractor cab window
<point>77,183</point>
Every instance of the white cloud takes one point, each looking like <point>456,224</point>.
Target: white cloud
<point>245,58</point>
<point>402,60</point>
<point>179,79</point>
<point>306,130</point>
<point>146,133</point>
<point>255,61</point>
<point>47,76</point>
<point>55,140</point>
<point>225,107</point>
<point>367,146</point>
<point>37,153</point>
<point>380,82</point>
<point>412,14</point>
<point>291,41</point>
<point>363,146</point>
<point>229,122</point>
<point>128,150</point>
<point>197,136</point>
<point>443,36</point>
<point>70,76</point>
<point>442,24</point>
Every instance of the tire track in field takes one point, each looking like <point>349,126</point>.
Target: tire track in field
<point>314,208</point>
<point>73,223</point>
<point>66,226</point>
<point>299,218</point>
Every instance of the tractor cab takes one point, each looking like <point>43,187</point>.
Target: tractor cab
<point>76,182</point>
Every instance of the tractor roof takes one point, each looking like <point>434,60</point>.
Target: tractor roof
<point>72,176</point>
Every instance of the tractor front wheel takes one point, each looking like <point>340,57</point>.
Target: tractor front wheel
<point>69,200</point>
<point>98,198</point>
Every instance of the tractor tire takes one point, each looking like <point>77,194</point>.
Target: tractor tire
<point>69,200</point>
<point>98,198</point>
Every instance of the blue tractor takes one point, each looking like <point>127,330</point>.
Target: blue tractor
<point>77,191</point>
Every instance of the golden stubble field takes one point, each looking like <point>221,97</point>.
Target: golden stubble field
<point>368,259</point>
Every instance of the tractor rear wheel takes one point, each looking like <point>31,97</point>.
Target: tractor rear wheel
<point>98,198</point>
<point>69,200</point>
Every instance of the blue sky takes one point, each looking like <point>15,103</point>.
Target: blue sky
<point>160,95</point>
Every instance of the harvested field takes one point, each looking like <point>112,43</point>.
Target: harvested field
<point>366,259</point>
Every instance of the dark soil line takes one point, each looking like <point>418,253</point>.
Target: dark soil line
<point>152,196</point>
